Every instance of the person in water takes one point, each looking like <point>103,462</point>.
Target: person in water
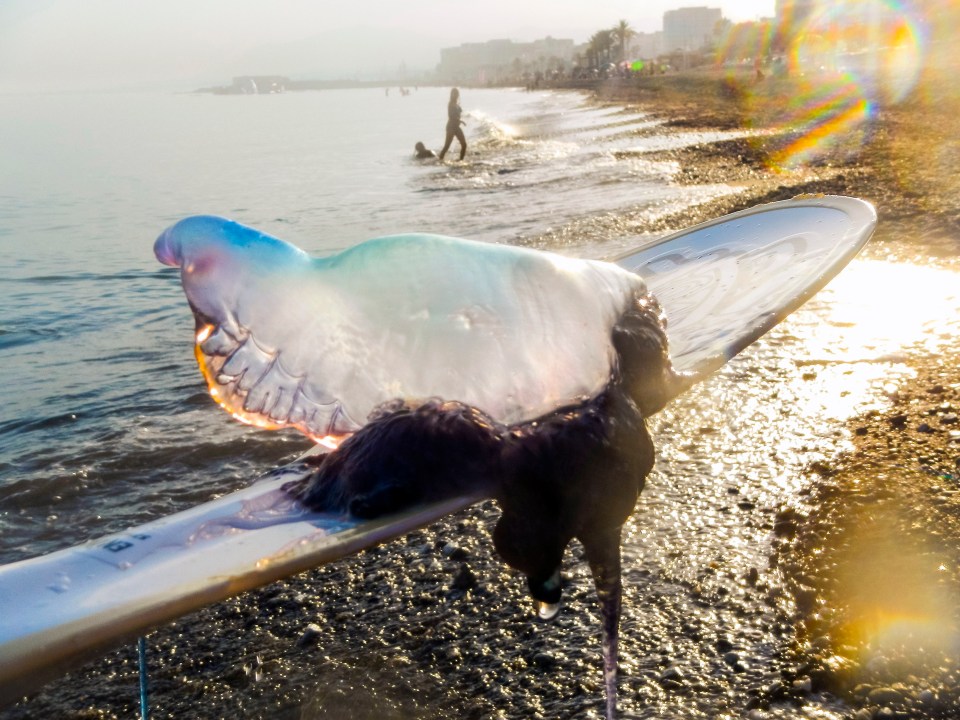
<point>423,152</point>
<point>453,125</point>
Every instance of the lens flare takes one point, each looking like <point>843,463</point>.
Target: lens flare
<point>828,117</point>
<point>898,601</point>
<point>843,60</point>
<point>877,44</point>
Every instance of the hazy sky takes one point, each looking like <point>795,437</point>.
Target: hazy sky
<point>52,44</point>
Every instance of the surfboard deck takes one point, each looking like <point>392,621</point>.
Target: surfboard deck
<point>722,284</point>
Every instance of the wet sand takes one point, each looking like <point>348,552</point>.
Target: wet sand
<point>774,563</point>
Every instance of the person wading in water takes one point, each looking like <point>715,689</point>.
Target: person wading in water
<point>453,125</point>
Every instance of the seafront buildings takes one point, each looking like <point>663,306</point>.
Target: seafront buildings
<point>686,29</point>
<point>816,33</point>
<point>497,60</point>
<point>691,28</point>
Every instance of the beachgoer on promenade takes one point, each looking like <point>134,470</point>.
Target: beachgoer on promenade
<point>453,125</point>
<point>423,152</point>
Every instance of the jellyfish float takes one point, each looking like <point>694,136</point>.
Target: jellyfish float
<point>441,367</point>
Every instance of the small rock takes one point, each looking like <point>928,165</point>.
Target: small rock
<point>806,598</point>
<point>924,428</point>
<point>464,579</point>
<point>884,696</point>
<point>671,673</point>
<point>310,636</point>
<point>544,661</point>
<point>899,421</point>
<point>785,522</point>
<point>802,685</point>
<point>237,677</point>
<point>691,631</point>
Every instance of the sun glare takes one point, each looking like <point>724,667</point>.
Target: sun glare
<point>846,59</point>
<point>856,333</point>
<point>203,333</point>
<point>328,441</point>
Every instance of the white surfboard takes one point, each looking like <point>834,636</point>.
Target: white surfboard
<point>723,284</point>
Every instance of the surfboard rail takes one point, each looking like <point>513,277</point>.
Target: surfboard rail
<point>61,609</point>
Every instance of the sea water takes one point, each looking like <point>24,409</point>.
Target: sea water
<point>104,419</point>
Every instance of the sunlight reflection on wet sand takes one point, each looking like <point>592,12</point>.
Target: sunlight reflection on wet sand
<point>736,448</point>
<point>857,333</point>
<point>782,403</point>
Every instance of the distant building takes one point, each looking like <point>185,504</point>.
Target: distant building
<point>792,16</point>
<point>646,45</point>
<point>690,28</point>
<point>791,13</point>
<point>501,59</point>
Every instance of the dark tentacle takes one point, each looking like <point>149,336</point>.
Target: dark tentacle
<point>603,554</point>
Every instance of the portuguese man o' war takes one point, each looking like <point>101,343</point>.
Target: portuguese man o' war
<point>446,367</point>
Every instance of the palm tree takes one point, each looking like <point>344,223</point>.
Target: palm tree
<point>600,44</point>
<point>622,32</point>
<point>593,51</point>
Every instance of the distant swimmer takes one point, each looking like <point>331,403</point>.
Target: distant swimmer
<point>453,125</point>
<point>423,152</point>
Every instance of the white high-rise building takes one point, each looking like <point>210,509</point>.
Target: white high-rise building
<point>690,28</point>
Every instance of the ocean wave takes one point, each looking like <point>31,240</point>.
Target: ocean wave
<point>15,337</point>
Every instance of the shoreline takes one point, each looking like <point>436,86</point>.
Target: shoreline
<point>886,162</point>
<point>257,656</point>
